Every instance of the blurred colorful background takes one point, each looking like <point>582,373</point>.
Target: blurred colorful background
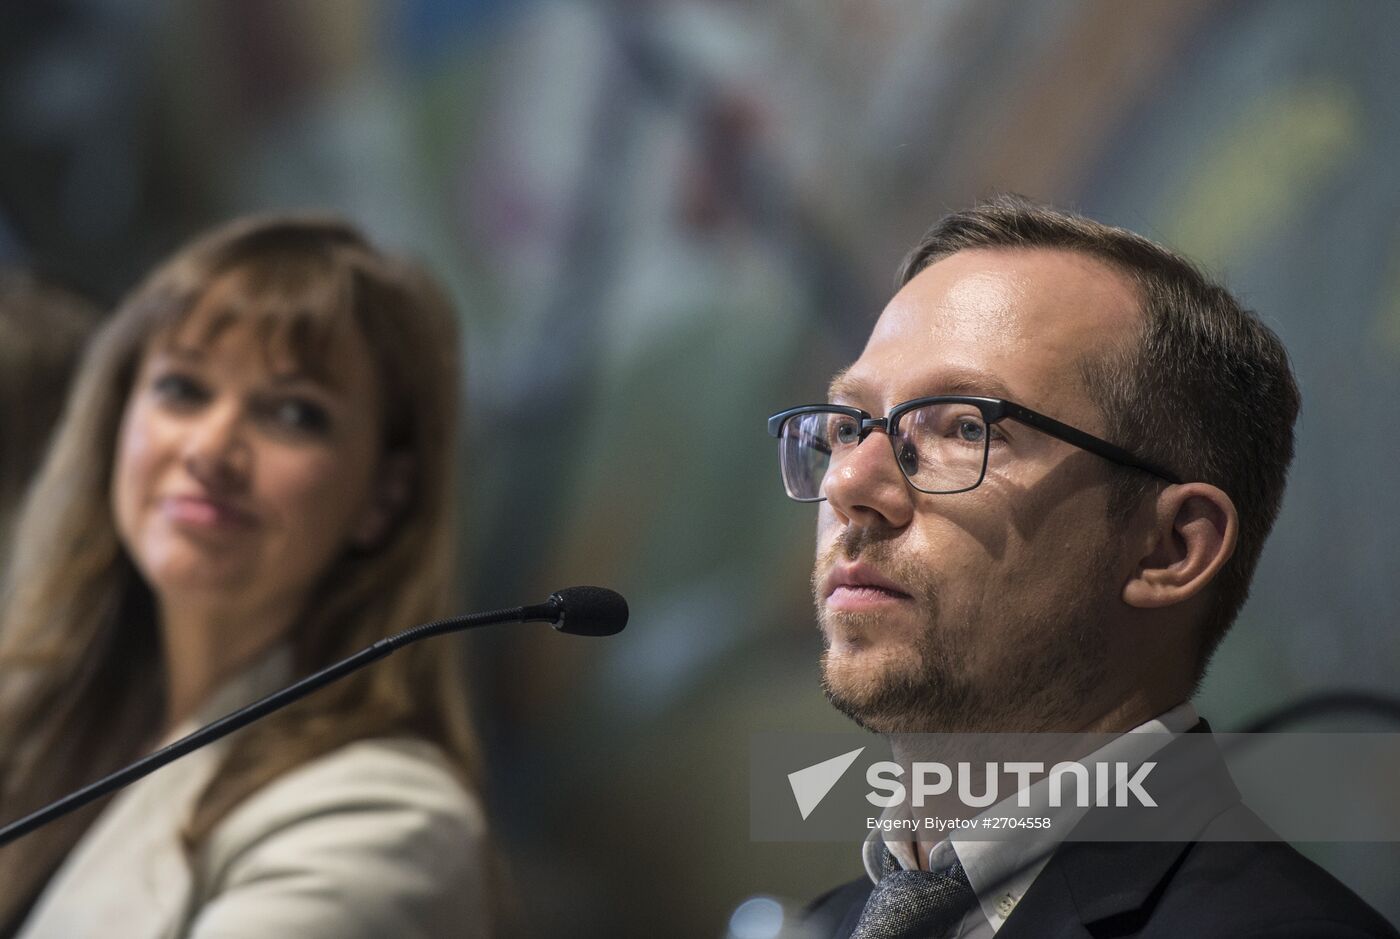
<point>663,221</point>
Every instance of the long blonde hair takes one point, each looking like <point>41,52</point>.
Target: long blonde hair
<point>81,675</point>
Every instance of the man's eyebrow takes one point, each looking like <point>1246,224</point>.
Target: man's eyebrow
<point>969,382</point>
<point>846,387</point>
<point>957,381</point>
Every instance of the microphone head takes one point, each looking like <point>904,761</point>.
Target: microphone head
<point>590,611</point>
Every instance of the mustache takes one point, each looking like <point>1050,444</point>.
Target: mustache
<point>878,548</point>
<point>873,545</point>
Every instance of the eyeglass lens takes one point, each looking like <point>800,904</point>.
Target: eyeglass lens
<point>940,447</point>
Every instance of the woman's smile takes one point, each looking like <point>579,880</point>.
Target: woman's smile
<point>206,514</point>
<point>240,474</point>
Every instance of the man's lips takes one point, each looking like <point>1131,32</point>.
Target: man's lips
<point>860,586</point>
<point>206,512</point>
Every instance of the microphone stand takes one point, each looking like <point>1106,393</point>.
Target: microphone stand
<point>550,611</point>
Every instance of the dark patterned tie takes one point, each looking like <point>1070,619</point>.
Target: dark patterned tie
<point>914,904</point>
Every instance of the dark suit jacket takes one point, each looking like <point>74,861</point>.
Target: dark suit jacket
<point>1199,889</point>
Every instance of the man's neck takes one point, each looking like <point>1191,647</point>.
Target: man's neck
<point>1131,713</point>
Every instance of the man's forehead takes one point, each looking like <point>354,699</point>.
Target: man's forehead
<point>1013,323</point>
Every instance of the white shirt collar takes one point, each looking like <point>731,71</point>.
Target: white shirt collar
<point>1002,871</point>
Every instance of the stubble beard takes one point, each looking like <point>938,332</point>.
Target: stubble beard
<point>929,685</point>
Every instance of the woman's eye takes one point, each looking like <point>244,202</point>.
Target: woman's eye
<point>846,432</point>
<point>177,389</point>
<point>300,415</point>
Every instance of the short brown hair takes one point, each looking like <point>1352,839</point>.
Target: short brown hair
<point>1207,390</point>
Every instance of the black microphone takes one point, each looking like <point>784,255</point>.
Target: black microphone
<point>589,611</point>
<point>581,611</point>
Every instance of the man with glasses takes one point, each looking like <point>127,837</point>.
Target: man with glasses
<point>1043,488</point>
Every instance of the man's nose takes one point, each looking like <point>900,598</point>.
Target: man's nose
<point>866,486</point>
<point>216,449</point>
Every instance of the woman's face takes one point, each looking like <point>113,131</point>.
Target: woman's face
<point>239,478</point>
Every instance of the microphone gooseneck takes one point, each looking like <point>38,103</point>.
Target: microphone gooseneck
<point>583,611</point>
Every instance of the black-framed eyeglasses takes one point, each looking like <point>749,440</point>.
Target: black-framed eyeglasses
<point>941,443</point>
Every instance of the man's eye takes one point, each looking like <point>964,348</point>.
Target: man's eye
<point>973,431</point>
<point>846,431</point>
<point>299,414</point>
<point>180,390</point>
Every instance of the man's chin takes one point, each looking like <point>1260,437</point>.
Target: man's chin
<point>866,645</point>
<point>876,691</point>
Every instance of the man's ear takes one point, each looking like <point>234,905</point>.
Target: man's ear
<point>387,501</point>
<point>1194,530</point>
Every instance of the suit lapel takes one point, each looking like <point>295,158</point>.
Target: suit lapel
<point>848,925</point>
<point>1047,911</point>
<point>841,908</point>
<point>1089,882</point>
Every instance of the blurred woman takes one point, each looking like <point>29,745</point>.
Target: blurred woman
<point>254,478</point>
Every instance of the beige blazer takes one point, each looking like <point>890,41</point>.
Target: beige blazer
<point>375,839</point>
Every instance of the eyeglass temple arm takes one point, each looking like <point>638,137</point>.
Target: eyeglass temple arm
<point>1087,441</point>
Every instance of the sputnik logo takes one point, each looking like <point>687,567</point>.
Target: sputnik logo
<point>811,785</point>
